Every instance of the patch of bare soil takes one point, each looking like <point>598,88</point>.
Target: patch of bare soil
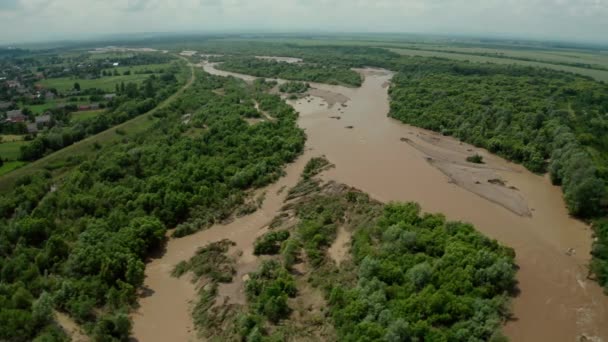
<point>449,157</point>
<point>339,249</point>
<point>71,328</point>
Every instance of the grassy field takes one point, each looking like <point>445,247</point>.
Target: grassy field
<point>10,166</point>
<point>11,150</point>
<point>600,75</point>
<point>41,108</point>
<point>87,114</point>
<point>107,83</point>
<point>130,128</point>
<point>10,137</point>
<point>135,68</point>
<point>598,60</point>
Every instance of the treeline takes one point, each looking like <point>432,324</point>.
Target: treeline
<point>77,244</point>
<point>321,73</point>
<point>545,120</point>
<point>86,66</point>
<point>422,278</point>
<point>132,100</point>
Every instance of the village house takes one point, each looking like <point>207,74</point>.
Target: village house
<point>44,119</point>
<point>5,105</point>
<point>109,97</point>
<point>15,116</point>
<point>32,128</point>
<point>13,84</point>
<point>49,95</point>
<point>94,106</point>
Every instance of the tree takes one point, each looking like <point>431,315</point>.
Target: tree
<point>77,86</point>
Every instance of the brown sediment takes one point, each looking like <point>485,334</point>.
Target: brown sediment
<point>338,251</point>
<point>330,97</point>
<point>164,312</point>
<point>556,303</point>
<point>71,328</point>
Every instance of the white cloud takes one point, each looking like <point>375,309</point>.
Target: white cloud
<point>561,19</point>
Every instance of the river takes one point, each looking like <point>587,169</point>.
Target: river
<point>396,162</point>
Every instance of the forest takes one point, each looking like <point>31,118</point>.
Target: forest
<point>78,245</point>
<point>311,72</point>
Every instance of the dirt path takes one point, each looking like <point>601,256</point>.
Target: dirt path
<point>71,328</point>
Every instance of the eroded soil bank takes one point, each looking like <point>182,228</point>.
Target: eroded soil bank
<point>392,161</point>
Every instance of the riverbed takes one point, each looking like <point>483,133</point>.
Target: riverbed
<point>396,162</point>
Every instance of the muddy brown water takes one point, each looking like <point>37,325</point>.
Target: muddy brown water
<point>557,302</point>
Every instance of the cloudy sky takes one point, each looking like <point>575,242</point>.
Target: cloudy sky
<point>39,20</point>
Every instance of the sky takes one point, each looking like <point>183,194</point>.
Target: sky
<point>44,20</point>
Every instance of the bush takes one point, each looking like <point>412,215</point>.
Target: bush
<point>476,158</point>
<point>270,243</point>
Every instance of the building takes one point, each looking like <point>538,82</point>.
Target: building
<point>32,128</point>
<point>44,119</point>
<point>94,106</point>
<point>13,84</point>
<point>109,97</point>
<point>49,95</point>
<point>5,105</point>
<point>15,116</point>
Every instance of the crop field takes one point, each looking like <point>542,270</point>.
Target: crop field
<point>86,114</point>
<point>11,150</point>
<point>600,75</point>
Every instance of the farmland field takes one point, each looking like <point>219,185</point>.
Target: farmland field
<point>10,166</point>
<point>87,114</point>
<point>108,83</point>
<point>11,150</point>
<point>600,75</point>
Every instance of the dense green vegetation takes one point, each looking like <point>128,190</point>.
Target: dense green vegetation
<point>132,100</point>
<point>416,276</point>
<point>320,73</point>
<point>420,277</point>
<point>527,115</point>
<point>270,243</point>
<point>82,239</point>
<point>294,87</point>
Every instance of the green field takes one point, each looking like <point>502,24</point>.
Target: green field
<point>135,68</point>
<point>107,83</point>
<point>11,150</point>
<point>10,137</point>
<point>10,166</point>
<point>87,114</point>
<point>600,75</point>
